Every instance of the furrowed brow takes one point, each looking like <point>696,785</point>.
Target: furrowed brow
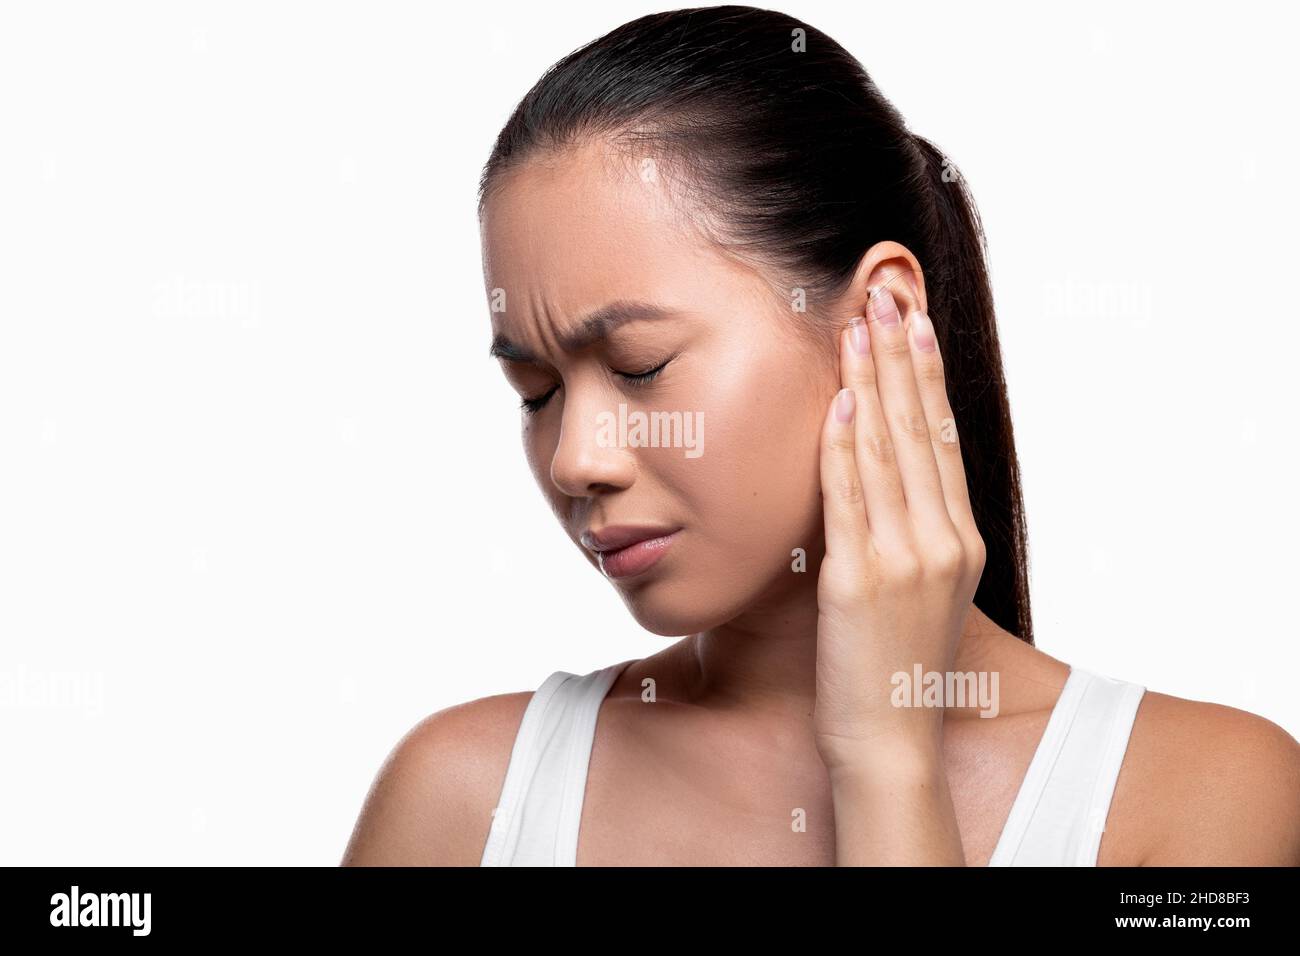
<point>590,329</point>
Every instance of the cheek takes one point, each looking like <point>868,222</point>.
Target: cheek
<point>539,449</point>
<point>757,485</point>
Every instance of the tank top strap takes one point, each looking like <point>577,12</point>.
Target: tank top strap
<point>1061,808</point>
<point>536,819</point>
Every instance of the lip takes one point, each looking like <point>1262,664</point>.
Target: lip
<point>625,550</point>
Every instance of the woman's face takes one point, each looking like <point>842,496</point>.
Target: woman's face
<point>732,479</point>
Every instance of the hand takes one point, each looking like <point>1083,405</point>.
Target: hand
<point>903,554</point>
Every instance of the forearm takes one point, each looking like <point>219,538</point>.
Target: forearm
<point>895,809</point>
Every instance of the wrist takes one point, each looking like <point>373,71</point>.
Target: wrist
<point>916,758</point>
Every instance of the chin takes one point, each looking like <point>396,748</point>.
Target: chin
<point>676,605</point>
<point>701,584</point>
<point>658,612</point>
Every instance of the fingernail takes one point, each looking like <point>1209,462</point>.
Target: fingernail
<point>858,335</point>
<point>844,405</point>
<point>922,332</point>
<point>883,307</point>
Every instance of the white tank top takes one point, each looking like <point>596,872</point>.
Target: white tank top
<point>1056,820</point>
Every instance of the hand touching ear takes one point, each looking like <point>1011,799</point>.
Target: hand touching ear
<point>903,561</point>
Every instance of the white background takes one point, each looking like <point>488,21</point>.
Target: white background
<point>262,500</point>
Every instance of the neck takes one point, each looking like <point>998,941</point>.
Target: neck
<point>765,660</point>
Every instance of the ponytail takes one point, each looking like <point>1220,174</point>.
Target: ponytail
<point>960,299</point>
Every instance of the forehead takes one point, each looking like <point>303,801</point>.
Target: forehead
<point>567,232</point>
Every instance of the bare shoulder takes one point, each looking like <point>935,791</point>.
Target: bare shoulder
<point>431,801</point>
<point>1200,783</point>
<point>1204,784</point>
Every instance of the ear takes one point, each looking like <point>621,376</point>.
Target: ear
<point>891,265</point>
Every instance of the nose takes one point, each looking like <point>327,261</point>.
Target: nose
<point>589,456</point>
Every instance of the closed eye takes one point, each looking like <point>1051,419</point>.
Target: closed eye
<point>649,375</point>
<point>532,405</point>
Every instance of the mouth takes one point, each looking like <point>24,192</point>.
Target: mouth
<point>626,550</point>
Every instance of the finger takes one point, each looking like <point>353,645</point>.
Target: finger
<point>846,521</point>
<point>886,508</point>
<point>901,400</point>
<point>931,383</point>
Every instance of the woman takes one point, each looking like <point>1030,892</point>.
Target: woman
<point>748,316</point>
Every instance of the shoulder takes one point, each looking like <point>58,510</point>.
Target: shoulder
<point>1205,784</point>
<point>431,801</point>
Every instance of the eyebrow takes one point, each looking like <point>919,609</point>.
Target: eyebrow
<point>591,328</point>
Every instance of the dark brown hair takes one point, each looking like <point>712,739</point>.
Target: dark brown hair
<point>805,166</point>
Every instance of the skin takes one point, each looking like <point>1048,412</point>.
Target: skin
<point>754,722</point>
